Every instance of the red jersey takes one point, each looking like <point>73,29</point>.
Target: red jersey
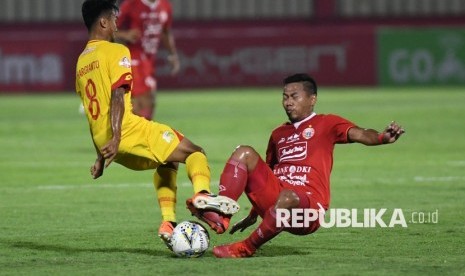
<point>150,19</point>
<point>301,154</point>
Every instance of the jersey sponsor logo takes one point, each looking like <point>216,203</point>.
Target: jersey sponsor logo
<point>293,175</point>
<point>300,169</point>
<point>152,30</point>
<point>125,62</point>
<point>293,138</point>
<point>168,136</point>
<point>282,140</point>
<point>292,169</point>
<point>308,132</point>
<point>297,151</point>
<point>294,180</point>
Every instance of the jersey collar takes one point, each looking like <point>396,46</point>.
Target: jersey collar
<point>297,124</point>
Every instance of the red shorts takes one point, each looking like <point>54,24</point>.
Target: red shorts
<point>263,190</point>
<point>142,74</point>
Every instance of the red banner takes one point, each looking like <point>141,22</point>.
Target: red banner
<point>263,55</point>
<point>36,58</point>
<point>42,58</point>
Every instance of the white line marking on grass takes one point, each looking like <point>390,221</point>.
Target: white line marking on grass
<point>43,164</point>
<point>438,178</point>
<point>103,186</point>
<point>92,186</point>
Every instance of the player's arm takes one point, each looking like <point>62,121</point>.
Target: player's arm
<point>167,39</point>
<point>97,169</point>
<point>371,137</point>
<point>130,36</point>
<point>110,149</point>
<point>125,34</point>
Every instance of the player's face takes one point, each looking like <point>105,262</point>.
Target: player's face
<point>297,103</point>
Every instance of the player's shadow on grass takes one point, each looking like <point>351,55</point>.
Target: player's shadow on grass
<point>71,250</point>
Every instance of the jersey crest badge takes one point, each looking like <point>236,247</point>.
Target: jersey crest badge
<point>308,132</point>
<point>125,62</point>
<point>168,136</point>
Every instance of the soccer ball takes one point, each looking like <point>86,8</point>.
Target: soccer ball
<point>190,239</point>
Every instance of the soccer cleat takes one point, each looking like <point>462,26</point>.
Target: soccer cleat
<point>218,222</point>
<point>233,250</point>
<point>219,204</point>
<point>165,232</point>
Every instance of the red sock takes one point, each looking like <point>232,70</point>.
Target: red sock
<point>233,179</point>
<point>265,231</point>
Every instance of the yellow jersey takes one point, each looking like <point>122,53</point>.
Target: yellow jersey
<point>102,67</point>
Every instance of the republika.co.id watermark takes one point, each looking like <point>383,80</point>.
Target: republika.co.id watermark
<point>357,218</point>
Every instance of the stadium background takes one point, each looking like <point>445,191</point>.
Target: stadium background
<point>407,54</point>
<point>225,43</point>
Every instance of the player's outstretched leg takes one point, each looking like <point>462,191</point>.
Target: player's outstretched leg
<point>234,250</point>
<point>212,209</point>
<point>220,204</point>
<point>266,230</point>
<point>215,210</point>
<point>246,248</point>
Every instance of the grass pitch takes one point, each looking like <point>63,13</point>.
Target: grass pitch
<point>54,219</point>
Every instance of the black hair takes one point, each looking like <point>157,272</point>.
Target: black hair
<point>307,81</point>
<point>93,9</point>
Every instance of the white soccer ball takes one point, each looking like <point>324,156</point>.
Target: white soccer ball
<point>190,239</point>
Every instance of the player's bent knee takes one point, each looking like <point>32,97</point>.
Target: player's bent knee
<point>244,152</point>
<point>288,199</point>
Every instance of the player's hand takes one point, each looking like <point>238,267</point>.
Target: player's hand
<point>110,150</point>
<point>174,63</point>
<point>97,169</point>
<point>132,36</point>
<point>392,132</point>
<point>243,224</point>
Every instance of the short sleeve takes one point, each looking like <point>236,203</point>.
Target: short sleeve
<point>340,128</point>
<point>120,68</point>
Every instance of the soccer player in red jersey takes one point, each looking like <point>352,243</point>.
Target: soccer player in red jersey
<point>296,173</point>
<point>142,25</point>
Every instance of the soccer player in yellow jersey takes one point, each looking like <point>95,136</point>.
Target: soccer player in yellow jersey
<point>104,81</point>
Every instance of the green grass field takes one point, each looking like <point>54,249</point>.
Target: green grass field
<point>56,220</point>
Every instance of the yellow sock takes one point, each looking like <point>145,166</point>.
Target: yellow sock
<point>198,171</point>
<point>164,180</point>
